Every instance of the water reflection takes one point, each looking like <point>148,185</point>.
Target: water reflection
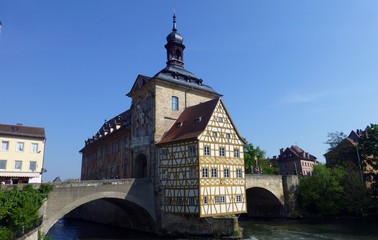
<point>67,229</point>
<point>310,229</point>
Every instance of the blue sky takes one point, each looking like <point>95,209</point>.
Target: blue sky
<point>290,71</point>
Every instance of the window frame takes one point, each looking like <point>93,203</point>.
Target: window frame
<point>222,151</point>
<point>174,103</point>
<point>206,151</point>
<point>239,173</point>
<point>3,144</point>
<point>236,153</point>
<point>18,145</point>
<point>226,172</point>
<point>205,173</point>
<point>35,166</point>
<point>214,172</point>
<point>16,165</point>
<point>5,164</point>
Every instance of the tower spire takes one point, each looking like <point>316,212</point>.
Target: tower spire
<point>174,29</point>
<point>175,47</point>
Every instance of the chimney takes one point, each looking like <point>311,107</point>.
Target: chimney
<point>281,150</point>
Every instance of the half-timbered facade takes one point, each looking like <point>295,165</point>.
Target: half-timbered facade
<point>202,163</point>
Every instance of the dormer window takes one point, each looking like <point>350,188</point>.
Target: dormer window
<point>198,120</point>
<point>179,124</point>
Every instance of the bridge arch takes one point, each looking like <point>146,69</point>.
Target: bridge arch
<point>262,203</point>
<point>118,198</point>
<point>123,197</point>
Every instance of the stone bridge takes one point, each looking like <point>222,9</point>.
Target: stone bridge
<point>131,203</point>
<point>271,196</point>
<point>131,199</point>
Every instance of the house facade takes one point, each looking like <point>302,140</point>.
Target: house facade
<point>178,133</point>
<point>349,153</point>
<point>294,161</point>
<point>21,154</point>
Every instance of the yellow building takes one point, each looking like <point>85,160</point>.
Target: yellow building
<point>21,153</point>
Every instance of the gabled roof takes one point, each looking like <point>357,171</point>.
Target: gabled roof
<point>298,152</point>
<point>138,83</point>
<point>191,123</point>
<point>22,131</point>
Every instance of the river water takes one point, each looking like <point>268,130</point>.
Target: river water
<point>67,229</point>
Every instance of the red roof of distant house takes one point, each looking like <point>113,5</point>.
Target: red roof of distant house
<point>22,131</point>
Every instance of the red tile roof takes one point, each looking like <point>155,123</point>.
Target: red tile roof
<point>191,123</point>
<point>22,131</point>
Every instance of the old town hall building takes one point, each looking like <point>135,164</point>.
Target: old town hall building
<point>178,133</point>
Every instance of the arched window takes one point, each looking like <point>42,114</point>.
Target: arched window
<point>178,55</point>
<point>175,103</point>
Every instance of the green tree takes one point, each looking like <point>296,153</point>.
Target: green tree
<point>369,152</point>
<point>322,192</point>
<point>255,161</point>
<point>19,209</point>
<point>334,138</point>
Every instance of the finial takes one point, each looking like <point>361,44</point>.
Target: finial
<point>174,23</point>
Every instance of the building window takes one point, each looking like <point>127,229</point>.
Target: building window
<point>33,166</point>
<point>226,173</point>
<point>236,152</point>
<point>164,153</point>
<point>214,173</point>
<point>205,172</point>
<point>216,199</point>
<point>205,199</point>
<point>192,172</point>
<point>239,173</point>
<point>222,199</point>
<point>34,147</point>
<point>175,103</point>
<point>20,147</point>
<point>192,151</point>
<point>238,198</point>
<point>220,119</point>
<point>137,132</point>
<point>206,151</point>
<point>221,151</point>
<point>228,135</point>
<point>192,201</point>
<point>214,134</point>
<point>18,165</point>
<point>3,164</point>
<point>4,145</point>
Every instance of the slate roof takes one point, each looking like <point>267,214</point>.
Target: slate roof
<point>181,76</point>
<point>22,131</point>
<point>191,123</point>
<point>122,120</point>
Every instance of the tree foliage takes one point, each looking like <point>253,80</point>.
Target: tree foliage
<point>333,191</point>
<point>19,209</point>
<point>255,161</point>
<point>322,192</point>
<point>369,152</point>
<point>334,138</point>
